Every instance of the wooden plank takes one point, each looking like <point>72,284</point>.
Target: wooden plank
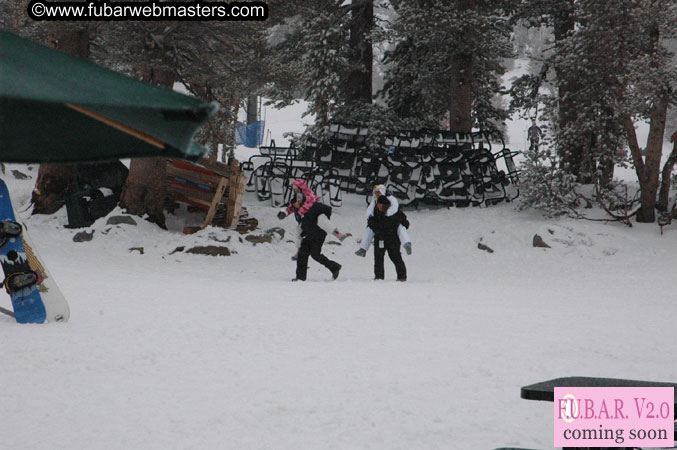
<point>184,165</point>
<point>222,169</point>
<point>192,202</point>
<point>201,178</point>
<point>223,184</point>
<point>177,190</point>
<point>209,171</point>
<point>191,230</point>
<point>235,199</point>
<point>190,184</point>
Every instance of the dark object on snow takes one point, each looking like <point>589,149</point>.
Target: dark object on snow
<point>244,226</point>
<point>91,202</point>
<point>260,239</point>
<point>210,250</point>
<point>118,220</point>
<point>110,174</point>
<point>83,236</point>
<point>137,249</point>
<point>280,231</point>
<point>84,207</point>
<point>484,247</point>
<point>19,175</point>
<point>539,242</point>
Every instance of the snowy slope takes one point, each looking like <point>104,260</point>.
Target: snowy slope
<point>169,350</point>
<point>196,352</point>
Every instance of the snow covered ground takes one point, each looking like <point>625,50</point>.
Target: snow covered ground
<point>187,351</point>
<point>170,350</point>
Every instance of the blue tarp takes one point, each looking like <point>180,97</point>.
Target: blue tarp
<point>250,135</point>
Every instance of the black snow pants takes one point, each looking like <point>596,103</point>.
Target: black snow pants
<point>393,249</point>
<point>312,248</point>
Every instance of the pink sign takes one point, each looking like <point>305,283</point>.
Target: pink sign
<point>614,416</point>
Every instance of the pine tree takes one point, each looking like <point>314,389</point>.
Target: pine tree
<point>323,53</point>
<point>446,62</point>
<point>612,69</point>
<point>595,56</point>
<point>650,87</point>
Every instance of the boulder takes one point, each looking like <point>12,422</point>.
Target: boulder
<point>83,236</point>
<point>118,220</point>
<point>210,250</point>
<point>539,242</point>
<point>485,248</point>
<point>279,231</point>
<point>259,239</point>
<point>19,175</point>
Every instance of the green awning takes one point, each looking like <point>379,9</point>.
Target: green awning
<point>58,108</point>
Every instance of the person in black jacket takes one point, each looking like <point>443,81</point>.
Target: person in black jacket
<point>387,239</point>
<point>312,240</point>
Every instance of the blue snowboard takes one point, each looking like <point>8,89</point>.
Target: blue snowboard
<point>27,302</point>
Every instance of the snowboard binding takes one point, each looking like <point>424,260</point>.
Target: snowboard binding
<point>8,230</point>
<point>20,280</point>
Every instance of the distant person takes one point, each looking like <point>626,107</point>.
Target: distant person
<point>386,238</point>
<point>534,133</point>
<point>309,200</point>
<point>380,190</point>
<point>312,239</point>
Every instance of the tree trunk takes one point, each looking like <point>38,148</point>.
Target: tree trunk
<point>358,83</point>
<point>647,169</point>
<point>461,95</point>
<point>611,145</point>
<point>654,145</point>
<point>606,167</point>
<point>230,119</point>
<point>252,109</point>
<point>666,174</point>
<point>145,191</point>
<point>221,127</point>
<point>55,182</point>
<point>654,151</point>
<point>572,149</point>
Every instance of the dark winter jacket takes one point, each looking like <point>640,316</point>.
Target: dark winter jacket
<point>385,227</point>
<point>309,228</point>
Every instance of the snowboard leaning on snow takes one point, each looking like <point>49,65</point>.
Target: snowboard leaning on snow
<point>34,294</point>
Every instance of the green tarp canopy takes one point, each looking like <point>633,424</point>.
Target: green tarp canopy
<point>58,108</point>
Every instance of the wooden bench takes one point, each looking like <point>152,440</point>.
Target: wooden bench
<point>214,187</point>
